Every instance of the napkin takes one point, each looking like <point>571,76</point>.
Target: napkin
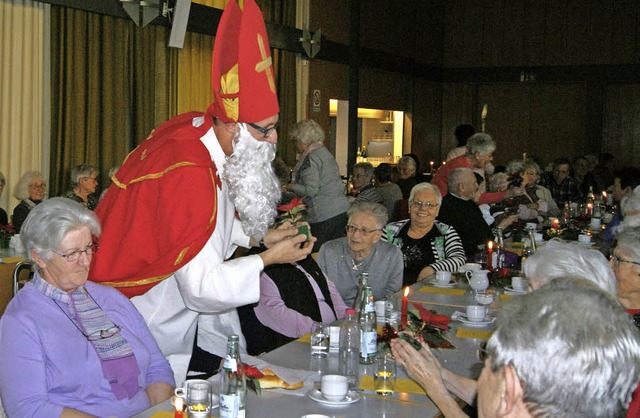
<point>504,298</point>
<point>442,291</point>
<point>480,334</point>
<point>290,376</point>
<point>305,339</point>
<point>402,385</point>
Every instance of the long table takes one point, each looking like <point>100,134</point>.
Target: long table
<point>464,360</point>
<point>10,259</point>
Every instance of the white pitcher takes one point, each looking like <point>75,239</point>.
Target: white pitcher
<point>478,279</point>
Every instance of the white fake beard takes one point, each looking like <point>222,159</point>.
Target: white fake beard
<point>253,186</point>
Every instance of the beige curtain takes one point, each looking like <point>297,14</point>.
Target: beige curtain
<point>22,92</point>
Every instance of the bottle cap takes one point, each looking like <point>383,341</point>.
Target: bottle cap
<point>349,311</point>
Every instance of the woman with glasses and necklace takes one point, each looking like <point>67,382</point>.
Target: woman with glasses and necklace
<point>316,176</point>
<point>427,245</point>
<point>84,180</point>
<point>69,347</point>
<point>343,260</point>
<point>30,190</point>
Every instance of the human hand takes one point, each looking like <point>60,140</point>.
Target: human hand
<point>505,222</point>
<point>420,365</point>
<point>515,191</point>
<point>277,234</point>
<point>426,272</point>
<point>294,247</point>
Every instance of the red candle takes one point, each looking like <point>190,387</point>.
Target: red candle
<point>405,304</point>
<point>555,223</point>
<point>589,209</point>
<point>178,404</point>
<point>490,256</point>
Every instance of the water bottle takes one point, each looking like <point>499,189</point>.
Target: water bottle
<point>350,347</point>
<point>362,283</point>
<point>368,334</point>
<point>233,385</point>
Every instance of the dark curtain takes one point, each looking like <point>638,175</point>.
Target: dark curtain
<point>110,84</point>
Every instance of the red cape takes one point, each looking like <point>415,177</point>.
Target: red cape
<point>160,210</point>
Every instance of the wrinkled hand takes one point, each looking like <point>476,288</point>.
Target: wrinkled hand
<point>290,246</point>
<point>275,235</point>
<point>421,365</point>
<point>505,222</point>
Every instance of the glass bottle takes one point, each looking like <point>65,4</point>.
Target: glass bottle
<point>350,347</point>
<point>368,333</point>
<point>233,385</point>
<point>566,214</point>
<point>499,248</point>
<point>591,197</point>
<point>363,282</point>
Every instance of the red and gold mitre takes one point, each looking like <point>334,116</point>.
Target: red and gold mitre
<point>242,77</point>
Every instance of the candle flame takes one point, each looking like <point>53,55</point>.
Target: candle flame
<point>406,291</point>
<point>604,194</point>
<point>484,111</point>
<point>490,245</point>
<point>178,403</point>
<point>444,163</point>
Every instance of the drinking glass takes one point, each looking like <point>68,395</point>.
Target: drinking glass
<point>197,394</point>
<point>385,377</point>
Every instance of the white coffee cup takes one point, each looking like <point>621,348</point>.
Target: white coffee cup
<point>538,236</point>
<point>584,238</point>
<point>443,277</point>
<point>531,225</point>
<point>334,387</point>
<point>595,223</point>
<point>519,283</point>
<point>470,267</point>
<point>476,313</point>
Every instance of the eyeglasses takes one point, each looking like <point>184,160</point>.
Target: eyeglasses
<point>103,333</point>
<point>265,131</point>
<point>38,186</point>
<point>617,260</point>
<point>428,205</point>
<point>352,229</point>
<point>91,178</point>
<point>74,256</point>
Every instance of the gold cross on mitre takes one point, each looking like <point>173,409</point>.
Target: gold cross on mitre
<point>265,64</point>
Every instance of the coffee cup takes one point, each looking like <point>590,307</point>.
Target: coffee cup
<point>531,225</point>
<point>519,284</point>
<point>538,236</point>
<point>334,387</point>
<point>476,313</point>
<point>443,277</point>
<point>584,238</point>
<point>595,223</point>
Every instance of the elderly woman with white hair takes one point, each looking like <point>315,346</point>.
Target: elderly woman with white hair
<point>406,175</point>
<point>480,149</point>
<point>30,190</point>
<point>427,245</point>
<point>565,350</point>
<point>69,347</point>
<point>84,180</point>
<point>316,176</point>
<point>536,201</point>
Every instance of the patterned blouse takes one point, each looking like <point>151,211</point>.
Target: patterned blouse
<point>441,249</point>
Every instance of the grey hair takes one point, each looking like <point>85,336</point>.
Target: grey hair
<point>80,171</point>
<point>481,143</point>
<point>49,222</point>
<point>425,186</point>
<point>530,164</point>
<point>574,347</point>
<point>366,167</point>
<point>630,204</point>
<point>307,131</point>
<point>21,191</point>
<point>456,177</point>
<point>628,241</point>
<point>376,210</point>
<point>514,167</point>
<point>2,179</point>
<point>498,182</point>
<point>408,161</point>
<point>559,258</point>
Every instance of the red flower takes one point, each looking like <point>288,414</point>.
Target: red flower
<point>433,319</point>
<point>252,372</point>
<point>293,203</point>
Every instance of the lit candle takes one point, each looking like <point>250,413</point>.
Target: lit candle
<point>178,404</point>
<point>589,209</point>
<point>555,223</point>
<point>524,157</point>
<point>483,115</point>
<point>444,163</point>
<point>431,165</point>
<point>490,256</point>
<point>405,304</point>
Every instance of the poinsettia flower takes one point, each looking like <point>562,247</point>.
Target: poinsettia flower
<point>293,203</point>
<point>433,319</point>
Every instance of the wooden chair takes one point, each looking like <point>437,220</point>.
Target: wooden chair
<point>22,273</point>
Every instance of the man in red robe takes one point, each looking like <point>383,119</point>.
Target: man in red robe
<point>169,219</point>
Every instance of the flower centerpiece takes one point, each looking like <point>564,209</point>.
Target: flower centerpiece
<point>427,327</point>
<point>293,212</point>
<point>6,232</point>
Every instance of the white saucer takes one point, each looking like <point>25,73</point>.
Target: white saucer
<point>351,397</point>
<point>435,283</point>
<point>487,321</point>
<point>511,291</point>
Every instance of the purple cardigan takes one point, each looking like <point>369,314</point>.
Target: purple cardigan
<point>47,364</point>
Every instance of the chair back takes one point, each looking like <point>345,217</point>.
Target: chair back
<point>22,273</point>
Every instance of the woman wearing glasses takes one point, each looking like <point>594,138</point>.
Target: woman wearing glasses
<point>428,245</point>
<point>69,347</point>
<point>30,189</point>
<point>84,180</point>
<point>316,176</point>
<point>343,260</point>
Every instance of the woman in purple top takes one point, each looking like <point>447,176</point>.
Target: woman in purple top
<point>69,347</point>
